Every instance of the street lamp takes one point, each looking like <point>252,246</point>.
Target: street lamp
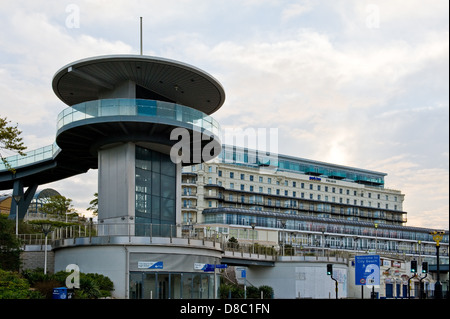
<point>17,199</point>
<point>253,237</point>
<point>376,237</point>
<point>437,237</point>
<point>46,227</point>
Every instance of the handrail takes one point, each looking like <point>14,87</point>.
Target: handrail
<point>115,107</point>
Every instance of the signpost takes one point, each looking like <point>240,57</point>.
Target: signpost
<point>367,271</point>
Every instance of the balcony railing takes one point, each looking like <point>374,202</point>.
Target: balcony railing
<point>137,107</point>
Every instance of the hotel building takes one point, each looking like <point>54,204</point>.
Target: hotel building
<point>307,204</point>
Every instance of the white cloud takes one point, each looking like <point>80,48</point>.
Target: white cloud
<point>337,89</point>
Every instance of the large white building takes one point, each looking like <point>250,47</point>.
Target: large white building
<point>305,207</point>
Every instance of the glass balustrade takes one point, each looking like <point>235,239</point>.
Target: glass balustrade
<point>113,108</point>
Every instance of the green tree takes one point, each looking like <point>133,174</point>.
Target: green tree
<point>58,206</point>
<point>10,140</point>
<point>10,246</point>
<point>94,205</point>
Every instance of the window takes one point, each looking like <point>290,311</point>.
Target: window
<point>260,179</point>
<point>231,185</point>
<point>242,187</point>
<point>220,173</point>
<point>155,191</point>
<point>242,176</point>
<point>231,174</point>
<point>251,178</point>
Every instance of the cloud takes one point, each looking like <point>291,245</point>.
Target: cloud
<point>338,89</point>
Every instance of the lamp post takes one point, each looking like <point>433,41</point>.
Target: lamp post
<point>376,237</point>
<point>17,199</point>
<point>45,229</point>
<point>283,224</point>
<point>437,237</point>
<point>253,237</point>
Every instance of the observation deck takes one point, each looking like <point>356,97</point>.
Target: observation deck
<point>119,100</point>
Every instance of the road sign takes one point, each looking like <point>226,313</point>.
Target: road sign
<point>221,266</point>
<point>367,270</point>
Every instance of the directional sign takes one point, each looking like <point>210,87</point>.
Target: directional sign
<point>150,265</point>
<point>221,266</point>
<point>367,270</point>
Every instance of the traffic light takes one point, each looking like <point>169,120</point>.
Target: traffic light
<point>425,267</point>
<point>330,269</point>
<point>414,266</point>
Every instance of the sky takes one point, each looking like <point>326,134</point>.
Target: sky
<point>351,82</point>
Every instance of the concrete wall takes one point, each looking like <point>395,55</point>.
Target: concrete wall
<point>301,279</point>
<point>33,257</point>
<point>116,183</point>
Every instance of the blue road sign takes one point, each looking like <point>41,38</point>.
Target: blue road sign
<point>221,266</point>
<point>367,270</point>
<point>208,267</point>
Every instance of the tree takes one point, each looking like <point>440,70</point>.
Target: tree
<point>10,140</point>
<point>94,205</point>
<point>58,206</point>
<point>9,245</point>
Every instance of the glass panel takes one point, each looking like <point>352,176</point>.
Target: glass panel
<point>163,286</point>
<point>149,287</point>
<point>187,286</point>
<point>135,285</point>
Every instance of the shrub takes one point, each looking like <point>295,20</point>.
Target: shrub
<point>14,286</point>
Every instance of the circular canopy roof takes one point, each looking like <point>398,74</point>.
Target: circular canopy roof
<point>82,80</point>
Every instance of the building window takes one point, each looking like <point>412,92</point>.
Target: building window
<point>242,176</point>
<point>220,173</point>
<point>155,191</point>
<point>231,174</point>
<point>242,187</point>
